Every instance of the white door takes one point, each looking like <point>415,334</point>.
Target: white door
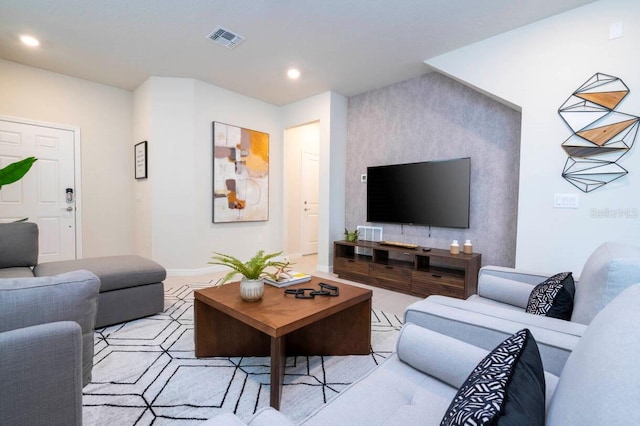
<point>41,194</point>
<point>310,202</point>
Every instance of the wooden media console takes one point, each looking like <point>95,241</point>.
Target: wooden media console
<point>416,271</point>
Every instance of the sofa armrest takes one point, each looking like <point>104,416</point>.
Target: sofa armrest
<point>508,285</point>
<point>445,358</point>
<point>485,326</point>
<point>41,374</point>
<point>67,297</point>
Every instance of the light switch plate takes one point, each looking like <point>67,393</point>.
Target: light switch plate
<point>565,201</point>
<point>616,30</point>
<point>363,178</point>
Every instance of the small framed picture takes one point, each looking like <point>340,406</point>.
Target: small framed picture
<point>140,160</point>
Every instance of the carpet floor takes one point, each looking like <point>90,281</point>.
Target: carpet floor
<point>145,372</point>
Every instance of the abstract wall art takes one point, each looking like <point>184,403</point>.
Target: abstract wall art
<point>240,174</point>
<point>601,136</point>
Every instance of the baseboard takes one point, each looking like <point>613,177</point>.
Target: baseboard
<point>326,269</point>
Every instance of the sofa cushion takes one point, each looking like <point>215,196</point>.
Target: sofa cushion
<point>393,393</point>
<point>508,384</point>
<point>17,272</point>
<point>115,272</point>
<point>437,355</point>
<point>553,297</point>
<point>19,244</point>
<point>608,271</point>
<point>67,297</point>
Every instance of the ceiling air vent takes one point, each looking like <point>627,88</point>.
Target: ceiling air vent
<point>226,38</point>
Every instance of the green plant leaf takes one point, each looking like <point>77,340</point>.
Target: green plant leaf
<point>252,269</point>
<point>15,171</point>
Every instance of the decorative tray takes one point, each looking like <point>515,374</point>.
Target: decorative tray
<point>398,244</point>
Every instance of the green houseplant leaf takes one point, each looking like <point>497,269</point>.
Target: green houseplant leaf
<point>351,235</point>
<point>253,269</point>
<point>15,171</point>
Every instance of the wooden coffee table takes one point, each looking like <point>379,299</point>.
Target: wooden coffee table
<point>281,325</point>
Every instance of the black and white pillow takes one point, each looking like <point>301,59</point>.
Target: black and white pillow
<point>506,387</point>
<point>553,297</point>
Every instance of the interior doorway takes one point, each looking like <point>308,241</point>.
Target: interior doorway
<point>48,194</point>
<point>302,152</point>
<point>310,203</point>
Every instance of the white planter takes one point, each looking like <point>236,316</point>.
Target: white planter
<point>251,290</point>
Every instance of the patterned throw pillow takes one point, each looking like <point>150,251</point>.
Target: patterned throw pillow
<point>506,387</point>
<point>553,297</point>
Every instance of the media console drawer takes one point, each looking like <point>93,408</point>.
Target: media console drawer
<point>391,277</point>
<point>428,283</point>
<point>351,268</point>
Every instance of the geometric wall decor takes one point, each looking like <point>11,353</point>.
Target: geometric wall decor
<point>240,174</point>
<point>601,136</point>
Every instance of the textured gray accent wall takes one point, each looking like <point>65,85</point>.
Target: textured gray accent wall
<point>433,117</point>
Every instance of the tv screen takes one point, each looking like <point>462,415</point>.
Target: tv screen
<point>434,193</point>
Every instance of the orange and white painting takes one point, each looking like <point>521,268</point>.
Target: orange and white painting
<point>240,174</point>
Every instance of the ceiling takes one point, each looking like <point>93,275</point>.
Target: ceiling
<point>348,46</point>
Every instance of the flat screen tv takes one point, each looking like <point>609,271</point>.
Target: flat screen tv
<point>431,193</point>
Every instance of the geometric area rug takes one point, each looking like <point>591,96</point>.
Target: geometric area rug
<point>145,372</point>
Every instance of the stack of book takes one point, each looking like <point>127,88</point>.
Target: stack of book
<point>288,278</point>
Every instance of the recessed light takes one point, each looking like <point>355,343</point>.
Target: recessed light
<point>29,41</point>
<point>293,73</point>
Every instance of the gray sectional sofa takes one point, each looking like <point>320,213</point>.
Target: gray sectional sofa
<point>590,370</point>
<point>498,310</point>
<point>130,286</point>
<point>46,347</point>
<point>598,385</point>
<point>48,312</point>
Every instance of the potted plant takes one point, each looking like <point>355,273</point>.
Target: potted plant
<point>252,271</point>
<point>351,235</point>
<point>15,171</point>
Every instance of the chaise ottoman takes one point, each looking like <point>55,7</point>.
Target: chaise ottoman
<point>130,286</point>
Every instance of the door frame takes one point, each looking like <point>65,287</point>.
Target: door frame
<point>292,193</point>
<point>77,165</point>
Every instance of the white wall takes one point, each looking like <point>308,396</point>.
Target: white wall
<point>104,116</point>
<point>167,217</point>
<point>142,211</point>
<point>330,110</point>
<point>175,115</point>
<point>538,67</point>
<point>178,122</point>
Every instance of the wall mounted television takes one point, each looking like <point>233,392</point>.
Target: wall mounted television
<point>430,193</point>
